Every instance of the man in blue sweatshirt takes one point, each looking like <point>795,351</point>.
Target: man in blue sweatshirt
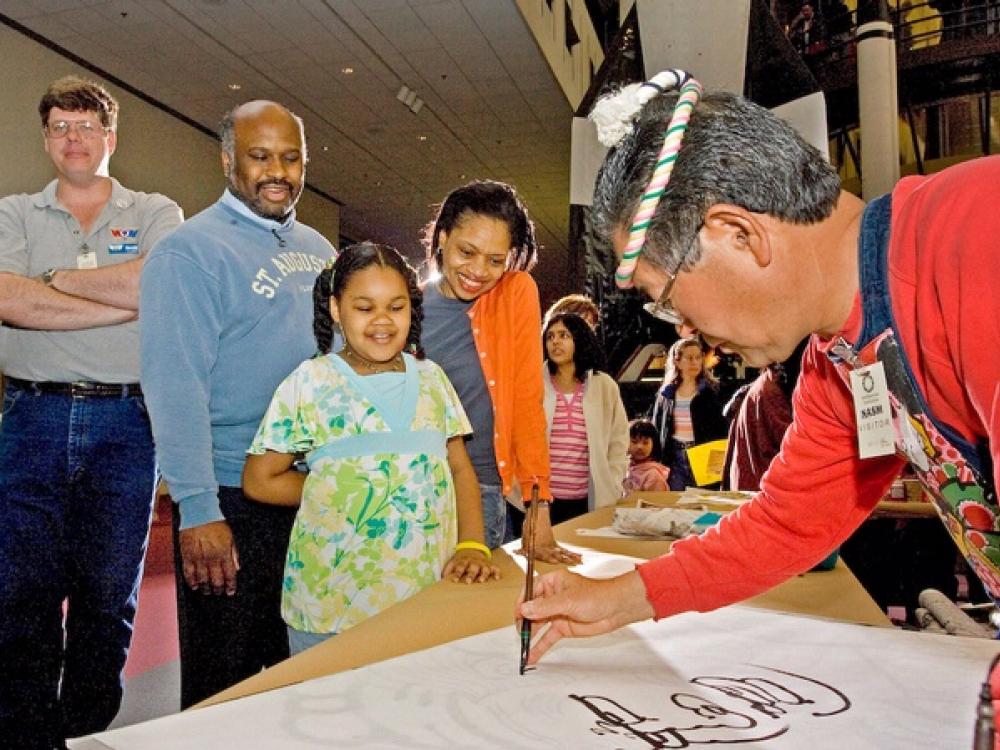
<point>226,313</point>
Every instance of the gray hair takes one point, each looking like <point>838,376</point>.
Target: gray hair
<point>734,152</point>
<point>227,132</point>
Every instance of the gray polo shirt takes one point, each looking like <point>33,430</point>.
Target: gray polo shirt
<point>37,233</point>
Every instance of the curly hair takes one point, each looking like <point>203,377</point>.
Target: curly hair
<point>333,280</point>
<point>495,200</point>
<point>587,353</point>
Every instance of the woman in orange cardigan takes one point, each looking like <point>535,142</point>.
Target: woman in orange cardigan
<point>482,325</point>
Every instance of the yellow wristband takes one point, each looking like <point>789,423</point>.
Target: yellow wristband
<point>479,546</point>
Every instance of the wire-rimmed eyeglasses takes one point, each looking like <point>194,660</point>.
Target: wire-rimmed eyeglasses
<point>662,308</point>
<point>85,129</point>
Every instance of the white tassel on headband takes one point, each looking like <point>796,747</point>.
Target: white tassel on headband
<point>614,116</point>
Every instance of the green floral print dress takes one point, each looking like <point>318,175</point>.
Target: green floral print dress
<point>377,521</point>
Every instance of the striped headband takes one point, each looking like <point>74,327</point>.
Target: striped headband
<point>614,116</point>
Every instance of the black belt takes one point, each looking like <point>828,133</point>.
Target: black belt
<point>79,389</point>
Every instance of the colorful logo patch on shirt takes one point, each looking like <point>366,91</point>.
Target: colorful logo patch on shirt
<point>124,248</point>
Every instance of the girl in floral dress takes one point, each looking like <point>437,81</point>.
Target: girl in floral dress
<point>390,503</point>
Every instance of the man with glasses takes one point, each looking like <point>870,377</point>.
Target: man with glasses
<point>77,473</point>
<point>751,241</point>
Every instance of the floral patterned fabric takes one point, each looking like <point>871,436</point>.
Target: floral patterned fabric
<point>964,500</point>
<point>377,521</point>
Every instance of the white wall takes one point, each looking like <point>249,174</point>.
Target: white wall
<point>570,67</point>
<point>156,151</point>
<point>707,38</point>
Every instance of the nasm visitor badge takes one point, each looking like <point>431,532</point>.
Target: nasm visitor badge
<point>872,411</point>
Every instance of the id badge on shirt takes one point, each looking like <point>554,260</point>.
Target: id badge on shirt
<point>872,411</point>
<point>86,259</point>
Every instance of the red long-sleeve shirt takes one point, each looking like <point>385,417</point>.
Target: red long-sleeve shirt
<point>944,276</point>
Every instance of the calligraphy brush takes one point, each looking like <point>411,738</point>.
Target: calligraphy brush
<point>528,543</point>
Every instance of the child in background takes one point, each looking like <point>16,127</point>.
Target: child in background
<point>645,473</point>
<point>390,488</point>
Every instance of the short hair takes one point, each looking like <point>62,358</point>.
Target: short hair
<point>75,94</point>
<point>673,374</point>
<point>734,151</point>
<point>227,131</point>
<point>587,353</point>
<point>580,304</point>
<point>495,200</point>
<point>333,279</point>
<point>644,428</point>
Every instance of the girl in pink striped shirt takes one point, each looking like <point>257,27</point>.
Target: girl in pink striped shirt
<point>588,428</point>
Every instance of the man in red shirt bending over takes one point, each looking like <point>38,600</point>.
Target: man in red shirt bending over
<point>751,241</point>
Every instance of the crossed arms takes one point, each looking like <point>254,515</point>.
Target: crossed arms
<point>77,299</point>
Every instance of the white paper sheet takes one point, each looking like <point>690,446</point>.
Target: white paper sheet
<point>738,675</point>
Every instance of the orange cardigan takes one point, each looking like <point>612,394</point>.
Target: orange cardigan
<point>507,329</point>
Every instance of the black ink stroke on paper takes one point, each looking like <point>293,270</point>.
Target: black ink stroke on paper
<point>750,709</point>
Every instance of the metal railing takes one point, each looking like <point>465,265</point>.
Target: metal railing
<point>917,25</point>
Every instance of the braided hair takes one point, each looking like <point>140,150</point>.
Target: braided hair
<point>333,280</point>
<point>495,200</point>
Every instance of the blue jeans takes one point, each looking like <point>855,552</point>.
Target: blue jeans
<point>494,515</point>
<point>76,488</point>
<point>300,640</point>
<point>681,475</point>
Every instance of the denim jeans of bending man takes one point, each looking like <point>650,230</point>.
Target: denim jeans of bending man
<point>76,487</point>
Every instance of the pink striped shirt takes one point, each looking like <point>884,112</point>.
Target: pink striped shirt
<point>568,451</point>
<point>683,426</point>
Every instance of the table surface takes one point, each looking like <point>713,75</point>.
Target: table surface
<point>448,611</point>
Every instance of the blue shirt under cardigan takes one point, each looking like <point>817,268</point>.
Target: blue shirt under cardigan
<point>447,339</point>
<point>225,312</point>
